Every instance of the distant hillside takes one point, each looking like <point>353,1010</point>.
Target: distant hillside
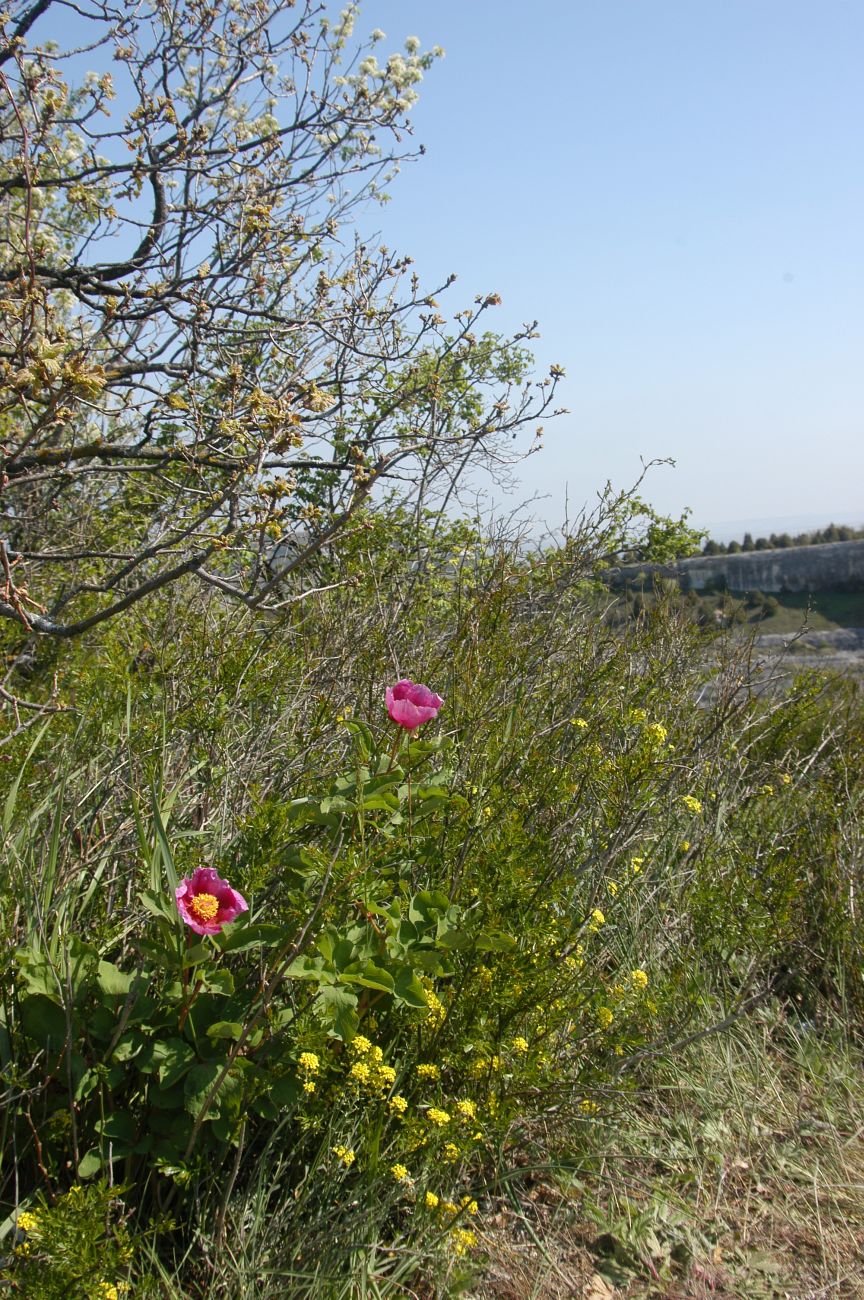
<point>826,566</point>
<point>784,541</point>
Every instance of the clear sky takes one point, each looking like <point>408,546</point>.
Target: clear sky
<point>675,190</point>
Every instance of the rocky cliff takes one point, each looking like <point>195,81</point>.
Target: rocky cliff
<point>829,566</point>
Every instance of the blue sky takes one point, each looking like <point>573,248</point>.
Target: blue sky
<point>675,190</point>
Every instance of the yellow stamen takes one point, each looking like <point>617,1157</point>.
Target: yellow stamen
<point>204,907</point>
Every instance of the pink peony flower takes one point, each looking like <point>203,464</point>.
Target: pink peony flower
<point>410,705</point>
<point>207,902</point>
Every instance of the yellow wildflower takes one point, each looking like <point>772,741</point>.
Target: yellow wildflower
<point>438,1117</point>
<point>588,1107</point>
<point>597,919</point>
<point>345,1154</point>
<point>385,1076</point>
<point>308,1085</point>
<point>520,1045</point>
<point>400,1173</point>
<point>605,1015</point>
<point>636,865</point>
<point>639,978</point>
<point>578,722</point>
<point>463,1239</point>
<point>466,1109</point>
<point>437,1011</point>
<point>309,1063</point>
<point>685,846</point>
<point>656,732</point>
<point>397,1105</point>
<point>451,1151</point>
<point>470,1205</point>
<point>360,1071</point>
<point>785,778</point>
<point>691,803</point>
<point>450,1208</point>
<point>430,1200</point>
<point>426,1071</point>
<point>27,1221</point>
<point>612,886</point>
<point>360,1044</point>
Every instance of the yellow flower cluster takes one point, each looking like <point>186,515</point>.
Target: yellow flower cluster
<point>345,1154</point>
<point>636,865</point>
<point>400,1173</point>
<point>440,1118</point>
<point>596,919</point>
<point>27,1221</point>
<point>437,1010</point>
<point>605,1016</point>
<point>639,979</point>
<point>520,1045</point>
<point>451,1151</point>
<point>426,1071</point>
<point>655,732</point>
<point>612,886</point>
<point>463,1239</point>
<point>309,1065</point>
<point>466,1110</point>
<point>430,1200</point>
<point>691,803</point>
<point>369,1071</point>
<point>588,1107</point>
<point>578,722</point>
<point>397,1105</point>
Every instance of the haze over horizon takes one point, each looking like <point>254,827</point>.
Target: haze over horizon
<point>675,192</point>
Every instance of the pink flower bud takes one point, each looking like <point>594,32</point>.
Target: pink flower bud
<point>410,704</point>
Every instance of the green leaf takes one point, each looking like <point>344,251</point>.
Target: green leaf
<point>425,905</point>
<point>199,1083</point>
<point>284,1091</point>
<point>368,975</point>
<point>90,1163</point>
<point>117,1127</point>
<point>495,941</point>
<point>128,1047</point>
<point>258,935</point>
<point>81,960</point>
<point>43,1020</point>
<point>219,981</point>
<point>112,980</point>
<point>38,973</point>
<point>225,1029</point>
<point>175,1062</point>
<point>408,988</point>
<point>339,1010</point>
<point>162,841</point>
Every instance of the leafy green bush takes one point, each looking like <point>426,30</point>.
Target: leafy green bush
<point>464,948</point>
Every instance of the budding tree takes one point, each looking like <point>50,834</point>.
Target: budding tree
<point>197,355</point>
